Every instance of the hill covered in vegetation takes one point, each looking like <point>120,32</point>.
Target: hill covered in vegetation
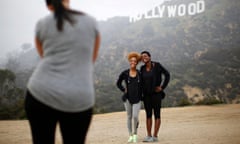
<point>200,51</point>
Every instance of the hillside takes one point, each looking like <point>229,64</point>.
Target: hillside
<point>201,52</point>
<point>217,124</point>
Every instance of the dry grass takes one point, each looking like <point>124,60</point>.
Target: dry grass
<point>219,124</point>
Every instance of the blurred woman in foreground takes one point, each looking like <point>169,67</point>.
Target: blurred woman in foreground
<point>61,89</point>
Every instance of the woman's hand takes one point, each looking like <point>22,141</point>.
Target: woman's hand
<point>96,47</point>
<point>158,89</point>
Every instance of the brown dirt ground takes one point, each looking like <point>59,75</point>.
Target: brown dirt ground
<point>219,124</point>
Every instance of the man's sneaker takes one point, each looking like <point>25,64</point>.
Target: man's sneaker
<point>155,139</point>
<point>134,138</point>
<point>148,139</point>
<point>130,139</point>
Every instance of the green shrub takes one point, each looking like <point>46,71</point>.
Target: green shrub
<point>184,102</point>
<point>209,101</point>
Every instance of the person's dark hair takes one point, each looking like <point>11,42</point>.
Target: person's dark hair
<point>146,52</point>
<point>61,13</point>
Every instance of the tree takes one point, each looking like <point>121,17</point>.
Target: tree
<point>11,97</point>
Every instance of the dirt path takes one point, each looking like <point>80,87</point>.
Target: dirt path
<point>218,124</point>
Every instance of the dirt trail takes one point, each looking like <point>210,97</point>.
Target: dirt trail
<point>219,124</point>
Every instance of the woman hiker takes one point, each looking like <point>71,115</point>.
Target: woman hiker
<point>132,94</point>
<point>153,86</point>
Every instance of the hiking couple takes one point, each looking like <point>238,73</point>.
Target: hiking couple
<point>145,85</point>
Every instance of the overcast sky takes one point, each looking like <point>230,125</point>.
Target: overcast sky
<point>18,17</point>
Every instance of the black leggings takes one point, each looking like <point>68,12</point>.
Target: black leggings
<point>43,121</point>
<point>152,104</point>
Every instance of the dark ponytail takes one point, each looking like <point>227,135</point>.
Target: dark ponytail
<point>61,13</point>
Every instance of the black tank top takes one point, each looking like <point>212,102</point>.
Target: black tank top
<point>147,82</point>
<point>133,93</point>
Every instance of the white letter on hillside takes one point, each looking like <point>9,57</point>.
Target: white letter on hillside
<point>135,18</point>
<point>192,9</point>
<point>148,14</point>
<point>200,6</point>
<point>172,11</point>
<point>181,10</point>
<point>161,10</point>
<point>154,15</point>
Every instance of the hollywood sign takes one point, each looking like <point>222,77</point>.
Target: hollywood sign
<point>171,11</point>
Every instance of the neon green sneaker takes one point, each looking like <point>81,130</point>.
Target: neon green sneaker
<point>130,139</point>
<point>134,138</point>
